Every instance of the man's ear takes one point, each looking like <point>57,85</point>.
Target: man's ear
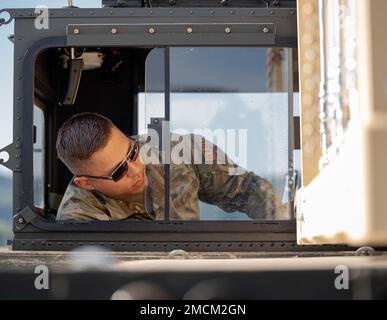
<point>83,183</point>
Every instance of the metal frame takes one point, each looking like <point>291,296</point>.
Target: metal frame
<point>165,134</point>
<point>291,172</point>
<point>73,27</point>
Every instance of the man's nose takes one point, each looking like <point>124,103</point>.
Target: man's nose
<point>132,170</point>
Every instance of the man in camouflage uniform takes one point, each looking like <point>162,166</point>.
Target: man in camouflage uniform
<point>92,148</point>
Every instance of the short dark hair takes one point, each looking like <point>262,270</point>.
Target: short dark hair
<point>80,136</point>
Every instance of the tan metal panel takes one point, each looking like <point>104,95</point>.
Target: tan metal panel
<point>309,67</point>
<point>373,104</point>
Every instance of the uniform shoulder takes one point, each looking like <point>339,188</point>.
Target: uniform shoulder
<point>79,204</point>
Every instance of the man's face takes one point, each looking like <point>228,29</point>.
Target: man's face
<point>105,161</point>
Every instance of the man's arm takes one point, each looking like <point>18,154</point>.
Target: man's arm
<point>245,192</point>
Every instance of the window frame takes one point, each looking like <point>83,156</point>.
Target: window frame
<point>35,233</point>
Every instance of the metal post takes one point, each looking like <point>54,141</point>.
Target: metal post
<point>291,180</point>
<point>324,130</point>
<point>166,133</point>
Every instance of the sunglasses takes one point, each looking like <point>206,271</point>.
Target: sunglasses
<point>122,168</point>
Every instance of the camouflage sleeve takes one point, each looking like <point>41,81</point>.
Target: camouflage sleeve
<point>80,205</point>
<point>232,188</point>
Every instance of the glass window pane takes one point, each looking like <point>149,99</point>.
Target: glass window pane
<point>237,99</point>
<point>38,156</point>
<point>151,110</point>
<point>151,104</point>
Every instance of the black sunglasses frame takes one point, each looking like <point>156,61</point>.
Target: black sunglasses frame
<point>123,166</point>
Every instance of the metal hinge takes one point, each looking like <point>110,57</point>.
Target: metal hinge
<point>23,218</point>
<point>14,152</point>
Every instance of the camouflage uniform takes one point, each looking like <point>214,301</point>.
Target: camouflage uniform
<point>189,182</point>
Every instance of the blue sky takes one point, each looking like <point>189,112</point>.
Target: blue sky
<point>6,62</point>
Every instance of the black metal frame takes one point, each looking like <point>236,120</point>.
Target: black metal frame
<point>73,27</point>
